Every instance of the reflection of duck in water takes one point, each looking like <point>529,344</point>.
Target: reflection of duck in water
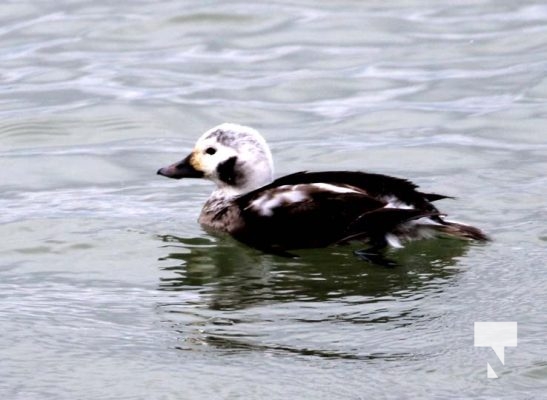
<point>234,277</point>
<point>220,295</point>
<point>306,210</point>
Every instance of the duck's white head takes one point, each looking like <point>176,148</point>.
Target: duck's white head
<point>235,157</point>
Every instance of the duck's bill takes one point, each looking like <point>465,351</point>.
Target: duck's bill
<point>181,169</point>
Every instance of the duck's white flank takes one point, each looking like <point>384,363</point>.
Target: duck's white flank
<point>393,241</point>
<point>394,202</point>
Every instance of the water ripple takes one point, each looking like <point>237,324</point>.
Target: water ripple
<point>96,95</point>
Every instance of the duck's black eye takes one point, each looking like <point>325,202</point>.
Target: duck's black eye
<point>210,150</point>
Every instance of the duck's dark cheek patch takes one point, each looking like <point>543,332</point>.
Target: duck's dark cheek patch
<point>227,171</point>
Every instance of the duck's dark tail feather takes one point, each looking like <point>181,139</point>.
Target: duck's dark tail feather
<point>462,231</point>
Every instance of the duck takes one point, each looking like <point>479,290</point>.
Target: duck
<point>306,210</point>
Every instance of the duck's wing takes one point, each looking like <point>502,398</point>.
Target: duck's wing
<point>399,192</point>
<point>285,216</point>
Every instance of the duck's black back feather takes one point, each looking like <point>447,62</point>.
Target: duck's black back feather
<point>327,216</point>
<point>319,221</point>
<point>375,185</point>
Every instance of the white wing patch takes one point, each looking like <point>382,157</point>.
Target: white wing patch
<point>290,194</point>
<point>265,204</point>
<point>333,188</point>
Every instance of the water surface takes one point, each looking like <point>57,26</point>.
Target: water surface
<point>110,289</point>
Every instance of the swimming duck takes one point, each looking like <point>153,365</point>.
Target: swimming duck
<point>306,209</point>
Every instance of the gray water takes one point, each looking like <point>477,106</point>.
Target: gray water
<point>109,289</point>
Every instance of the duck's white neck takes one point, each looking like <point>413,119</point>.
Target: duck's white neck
<point>224,194</point>
<point>227,193</point>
